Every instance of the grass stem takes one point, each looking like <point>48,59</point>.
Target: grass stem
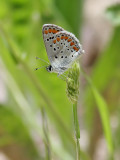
<point>77,131</point>
<point>73,93</point>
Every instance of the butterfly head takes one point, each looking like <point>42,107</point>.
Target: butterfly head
<point>49,68</point>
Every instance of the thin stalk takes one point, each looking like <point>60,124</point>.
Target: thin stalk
<point>46,134</point>
<point>77,131</point>
<point>73,93</point>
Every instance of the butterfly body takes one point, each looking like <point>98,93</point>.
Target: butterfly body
<point>62,47</point>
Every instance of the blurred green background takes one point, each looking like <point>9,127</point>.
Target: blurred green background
<point>36,120</point>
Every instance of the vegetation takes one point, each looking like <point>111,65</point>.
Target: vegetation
<point>36,119</point>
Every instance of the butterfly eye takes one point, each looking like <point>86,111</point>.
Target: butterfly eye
<point>56,57</point>
<point>50,68</point>
<point>54,49</point>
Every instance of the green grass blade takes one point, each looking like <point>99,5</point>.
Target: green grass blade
<point>103,110</point>
<point>104,114</point>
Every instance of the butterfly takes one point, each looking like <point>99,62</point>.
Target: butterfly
<point>62,47</point>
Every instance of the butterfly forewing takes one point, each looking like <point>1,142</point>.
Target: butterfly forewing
<point>49,35</point>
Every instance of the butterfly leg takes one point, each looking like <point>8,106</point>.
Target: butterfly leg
<point>62,76</point>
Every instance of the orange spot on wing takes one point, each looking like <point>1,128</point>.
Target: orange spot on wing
<point>62,37</point>
<point>66,38</point>
<point>58,39</point>
<point>46,32</point>
<point>69,40</point>
<point>54,41</point>
<point>49,30</point>
<point>54,31</point>
<point>75,48</point>
<point>72,43</point>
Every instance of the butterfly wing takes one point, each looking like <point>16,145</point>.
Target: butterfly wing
<point>63,48</point>
<point>49,35</point>
<point>69,49</point>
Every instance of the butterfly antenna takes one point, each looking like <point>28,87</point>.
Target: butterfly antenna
<point>39,68</point>
<point>42,60</point>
